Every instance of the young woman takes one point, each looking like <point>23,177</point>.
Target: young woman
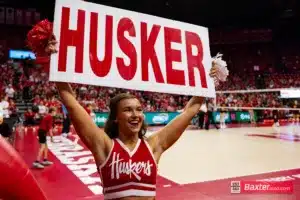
<point>125,158</point>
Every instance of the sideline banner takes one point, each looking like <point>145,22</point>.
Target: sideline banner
<point>111,47</point>
<point>100,118</point>
<point>217,116</point>
<point>151,118</point>
<point>163,118</point>
<point>234,116</point>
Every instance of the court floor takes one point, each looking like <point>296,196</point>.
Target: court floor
<point>200,165</point>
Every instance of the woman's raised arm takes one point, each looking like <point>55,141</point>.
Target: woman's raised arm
<point>93,137</point>
<point>42,41</point>
<point>168,135</point>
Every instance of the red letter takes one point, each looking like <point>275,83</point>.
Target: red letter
<point>100,68</point>
<point>173,76</point>
<point>148,53</point>
<point>127,72</point>
<point>195,61</point>
<point>71,38</point>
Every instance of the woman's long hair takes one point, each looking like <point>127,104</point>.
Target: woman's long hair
<point>111,127</point>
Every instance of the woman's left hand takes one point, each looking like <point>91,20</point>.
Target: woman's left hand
<point>213,69</point>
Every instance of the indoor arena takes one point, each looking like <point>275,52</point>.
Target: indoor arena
<point>150,100</point>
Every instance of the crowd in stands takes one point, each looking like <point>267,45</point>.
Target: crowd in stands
<point>244,81</point>
<point>99,96</point>
<point>245,62</point>
<point>43,93</point>
<point>7,91</point>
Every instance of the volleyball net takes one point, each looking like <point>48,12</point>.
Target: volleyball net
<point>262,105</point>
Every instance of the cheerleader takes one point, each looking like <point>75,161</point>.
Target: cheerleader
<point>122,143</point>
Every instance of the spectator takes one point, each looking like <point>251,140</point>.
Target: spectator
<point>42,108</point>
<point>10,92</point>
<point>5,130</point>
<point>66,122</point>
<point>5,107</point>
<point>29,118</point>
<point>210,120</point>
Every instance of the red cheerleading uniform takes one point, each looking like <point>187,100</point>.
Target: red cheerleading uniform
<point>129,173</point>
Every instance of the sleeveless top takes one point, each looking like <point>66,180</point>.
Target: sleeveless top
<point>129,173</point>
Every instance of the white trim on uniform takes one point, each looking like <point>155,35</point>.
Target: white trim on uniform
<point>131,153</point>
<point>128,193</point>
<point>129,184</point>
<point>106,160</point>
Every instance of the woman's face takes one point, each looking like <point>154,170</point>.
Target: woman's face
<point>130,116</point>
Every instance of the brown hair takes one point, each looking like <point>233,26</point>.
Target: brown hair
<point>111,127</point>
<point>51,110</point>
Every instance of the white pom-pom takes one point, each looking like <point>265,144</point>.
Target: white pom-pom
<point>219,61</point>
<point>221,69</point>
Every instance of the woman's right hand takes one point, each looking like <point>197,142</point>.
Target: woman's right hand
<point>51,47</point>
<point>44,60</point>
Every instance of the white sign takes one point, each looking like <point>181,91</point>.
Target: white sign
<point>106,46</point>
<point>290,93</point>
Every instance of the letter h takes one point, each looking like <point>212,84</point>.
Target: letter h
<point>71,38</point>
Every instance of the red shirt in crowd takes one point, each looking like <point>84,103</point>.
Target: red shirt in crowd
<point>46,123</point>
<point>29,115</point>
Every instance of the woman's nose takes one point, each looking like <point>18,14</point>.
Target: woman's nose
<point>134,113</point>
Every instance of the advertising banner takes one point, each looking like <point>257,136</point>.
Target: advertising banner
<point>100,118</point>
<point>163,118</point>
<point>151,118</point>
<point>243,116</point>
<point>216,116</point>
<point>159,118</point>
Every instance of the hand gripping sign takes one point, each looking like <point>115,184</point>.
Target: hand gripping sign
<point>105,46</point>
